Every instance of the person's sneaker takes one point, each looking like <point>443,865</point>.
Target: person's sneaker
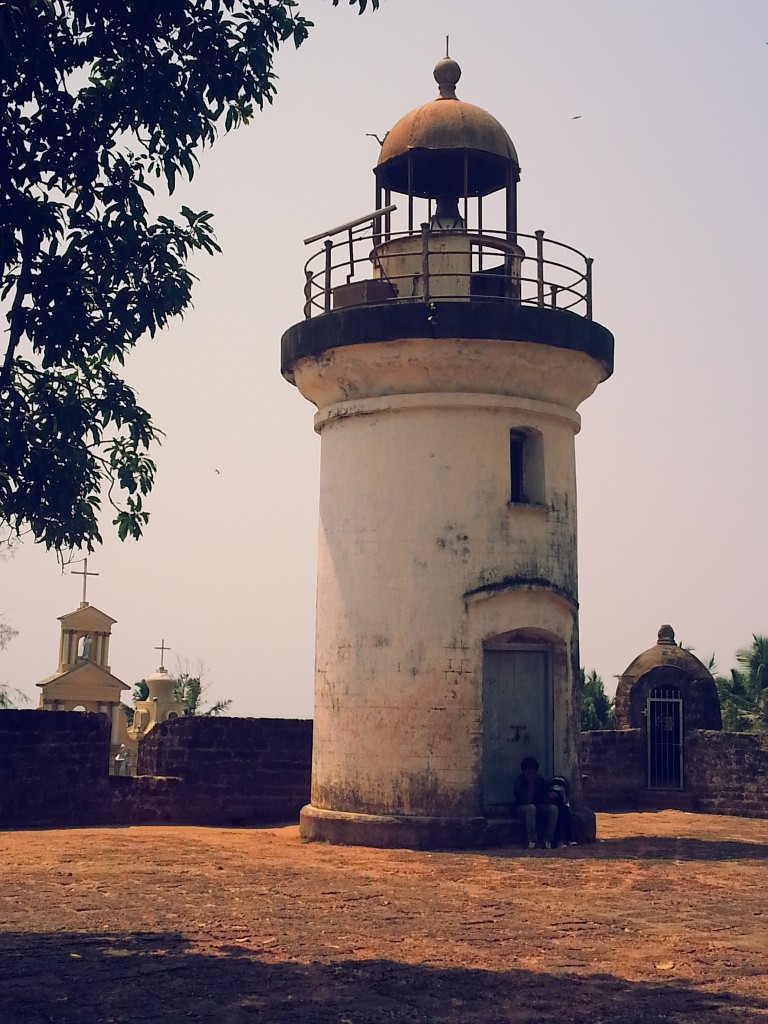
<point>572,843</point>
<point>547,846</point>
<point>531,846</point>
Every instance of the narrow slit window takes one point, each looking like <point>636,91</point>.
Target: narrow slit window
<point>517,466</point>
<point>526,467</point>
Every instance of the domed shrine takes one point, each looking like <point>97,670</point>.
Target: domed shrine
<point>672,668</point>
<point>161,704</point>
<point>666,692</point>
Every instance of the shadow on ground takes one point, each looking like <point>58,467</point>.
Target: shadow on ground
<point>75,978</point>
<point>653,848</point>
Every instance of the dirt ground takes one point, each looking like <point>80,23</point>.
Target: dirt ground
<point>664,920</point>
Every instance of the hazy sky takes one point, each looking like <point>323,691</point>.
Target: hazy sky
<point>662,179</point>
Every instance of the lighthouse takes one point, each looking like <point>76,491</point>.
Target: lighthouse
<point>447,354</point>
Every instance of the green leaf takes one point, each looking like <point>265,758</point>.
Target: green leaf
<point>103,103</point>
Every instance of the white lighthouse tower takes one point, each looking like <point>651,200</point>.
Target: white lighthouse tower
<point>447,354</point>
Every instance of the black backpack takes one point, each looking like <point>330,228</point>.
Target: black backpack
<point>560,785</point>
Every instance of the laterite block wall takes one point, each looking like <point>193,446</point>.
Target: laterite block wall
<point>53,768</point>
<point>235,770</point>
<point>728,772</point>
<point>197,771</point>
<point>241,771</point>
<point>723,773</point>
<point>612,768</point>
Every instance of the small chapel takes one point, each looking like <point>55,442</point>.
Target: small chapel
<point>161,704</point>
<point>83,680</point>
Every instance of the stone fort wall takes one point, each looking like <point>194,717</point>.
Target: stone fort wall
<point>248,771</point>
<point>194,771</point>
<point>53,768</point>
<point>723,773</point>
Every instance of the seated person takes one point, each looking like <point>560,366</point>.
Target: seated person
<point>559,796</point>
<point>532,803</point>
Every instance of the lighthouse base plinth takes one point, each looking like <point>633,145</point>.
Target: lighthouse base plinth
<point>412,832</point>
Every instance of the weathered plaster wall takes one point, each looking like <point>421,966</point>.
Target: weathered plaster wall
<point>417,539</point>
<point>422,559</point>
<point>412,364</point>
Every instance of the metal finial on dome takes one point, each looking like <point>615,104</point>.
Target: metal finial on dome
<point>447,73</point>
<point>666,635</point>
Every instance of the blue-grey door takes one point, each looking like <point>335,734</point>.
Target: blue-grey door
<point>518,716</point>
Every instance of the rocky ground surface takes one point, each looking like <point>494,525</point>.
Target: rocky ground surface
<point>664,920</point>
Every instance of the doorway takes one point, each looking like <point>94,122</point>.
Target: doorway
<point>518,712</point>
<point>665,738</point>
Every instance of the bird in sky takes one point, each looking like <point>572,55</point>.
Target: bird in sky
<point>576,117</point>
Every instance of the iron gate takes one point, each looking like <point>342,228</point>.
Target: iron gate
<point>665,738</point>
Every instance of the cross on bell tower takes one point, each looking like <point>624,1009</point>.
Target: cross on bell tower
<point>85,574</point>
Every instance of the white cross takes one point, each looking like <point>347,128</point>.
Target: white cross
<point>162,648</point>
<point>85,574</point>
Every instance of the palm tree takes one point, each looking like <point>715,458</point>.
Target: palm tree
<point>190,687</point>
<point>753,662</point>
<point>596,705</point>
<point>744,692</point>
<point>9,696</point>
<point>734,701</point>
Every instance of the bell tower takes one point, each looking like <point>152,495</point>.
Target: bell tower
<point>83,680</point>
<point>447,354</point>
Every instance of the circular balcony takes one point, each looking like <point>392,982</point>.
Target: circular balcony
<point>365,264</point>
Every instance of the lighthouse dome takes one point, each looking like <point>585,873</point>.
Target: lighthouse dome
<point>447,146</point>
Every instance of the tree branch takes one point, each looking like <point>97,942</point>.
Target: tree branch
<point>15,317</point>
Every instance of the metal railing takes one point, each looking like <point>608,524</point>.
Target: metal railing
<point>366,266</point>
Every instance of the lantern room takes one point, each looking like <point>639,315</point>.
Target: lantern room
<point>444,226</point>
<point>448,152</point>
